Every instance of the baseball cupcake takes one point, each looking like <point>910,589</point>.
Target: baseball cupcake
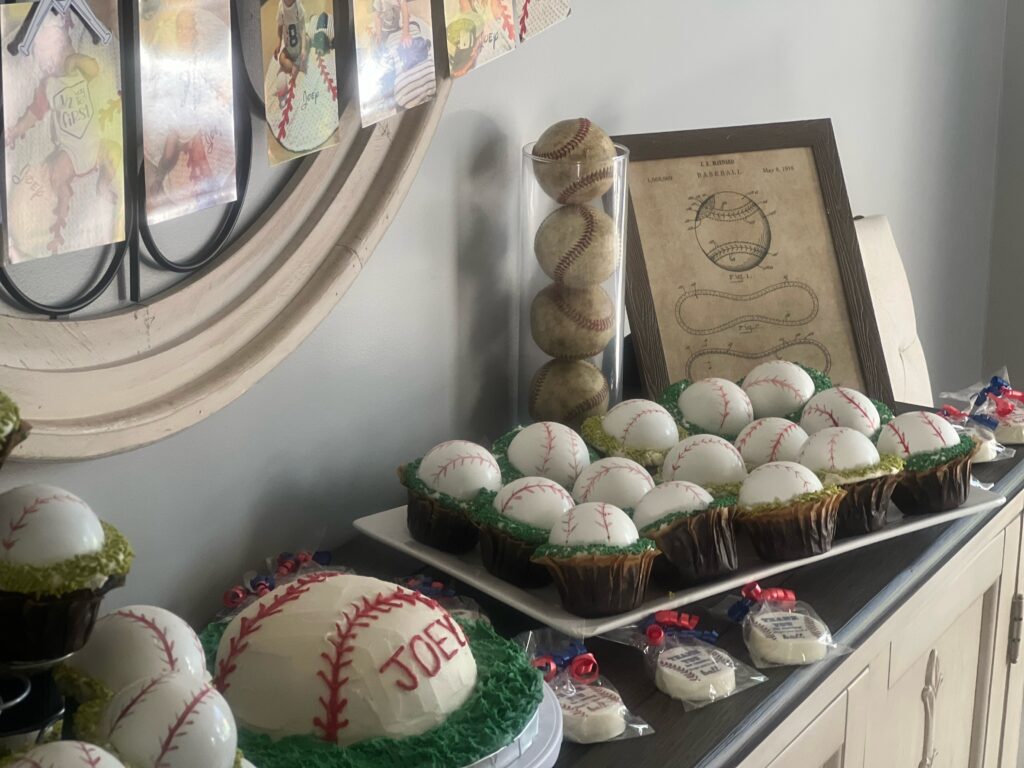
<point>782,388</point>
<point>845,457</point>
<point>640,430</point>
<point>844,407</point>
<point>545,449</point>
<point>709,406</point>
<point>619,482</point>
<point>693,531</point>
<point>937,471</point>
<point>442,486</point>
<point>787,512</point>
<point>598,560</point>
<point>12,429</point>
<point>770,439</point>
<point>514,522</point>
<point>57,561</point>
<point>709,461</point>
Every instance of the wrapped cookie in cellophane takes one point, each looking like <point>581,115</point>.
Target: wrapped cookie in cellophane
<point>781,631</point>
<point>592,709</point>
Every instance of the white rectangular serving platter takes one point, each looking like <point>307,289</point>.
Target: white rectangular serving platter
<point>543,604</point>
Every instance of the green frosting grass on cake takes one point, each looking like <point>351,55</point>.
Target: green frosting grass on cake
<point>563,552</point>
<point>608,445</point>
<point>681,514</point>
<point>803,498</point>
<point>887,465</point>
<point>10,417</point>
<point>922,462</point>
<point>507,693</point>
<point>482,511</point>
<point>411,480</point>
<point>73,574</point>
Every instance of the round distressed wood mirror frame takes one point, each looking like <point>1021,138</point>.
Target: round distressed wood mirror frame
<point>103,385</point>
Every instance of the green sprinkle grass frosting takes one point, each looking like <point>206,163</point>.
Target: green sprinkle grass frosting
<point>887,465</point>
<point>482,512</point>
<point>607,445</point>
<point>923,462</point>
<point>773,506</point>
<point>671,518</point>
<point>507,693</point>
<point>10,417</point>
<point>562,552</point>
<point>80,686</point>
<point>79,572</point>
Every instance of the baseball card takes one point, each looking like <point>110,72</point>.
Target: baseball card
<point>395,56</point>
<point>478,31</point>
<point>63,133</point>
<point>535,16</point>
<point>188,126</point>
<point>300,86</point>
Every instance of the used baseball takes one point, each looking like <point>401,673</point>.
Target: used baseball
<point>573,161</point>
<point>840,407</point>
<point>549,450</point>
<point>770,439</point>
<point>621,482</point>
<point>778,388</point>
<point>572,323</point>
<point>641,424</point>
<point>576,246</point>
<point>716,405</point>
<point>568,391</point>
<point>916,432</point>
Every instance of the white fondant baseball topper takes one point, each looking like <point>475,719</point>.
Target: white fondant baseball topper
<point>777,483</point>
<point>44,524</point>
<point>696,673</point>
<point>344,658</point>
<point>139,641</point>
<point>535,501</point>
<point>591,713</point>
<point>840,407</point>
<point>838,449</point>
<point>785,637</point>
<point>67,754</point>
<point>707,460</point>
<point>669,498</point>
<point>460,469</point>
<point>717,405</point>
<point>777,388</point>
<point>170,721</point>
<point>916,432</point>
<point>770,439</point>
<point>618,481</point>
<point>641,424</point>
<point>594,523</point>
<point>551,450</point>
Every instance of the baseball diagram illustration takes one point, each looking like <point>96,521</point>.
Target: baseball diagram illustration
<point>733,231</point>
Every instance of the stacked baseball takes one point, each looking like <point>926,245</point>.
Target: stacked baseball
<point>572,319</point>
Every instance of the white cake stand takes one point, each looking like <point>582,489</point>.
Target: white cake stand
<point>539,743</point>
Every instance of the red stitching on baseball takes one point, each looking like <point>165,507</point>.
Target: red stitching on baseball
<point>581,245</point>
<point>583,182</point>
<point>928,420</point>
<point>34,506</point>
<point>286,112</point>
<point>688,487</point>
<point>537,384</point>
<point>677,462</point>
<point>522,19</point>
<point>29,762</point>
<point>250,625</point>
<point>858,406</point>
<point>548,446</point>
<point>563,151</point>
<point>590,403</point>
<point>798,475</point>
<point>823,411</point>
<point>529,488</point>
<point>177,728</point>
<point>137,698</point>
<point>88,757</point>
<point>725,401</point>
<point>832,443</point>
<point>461,460</point>
<point>774,381</point>
<point>588,487</point>
<point>331,85</point>
<point>507,25</point>
<point>574,445</point>
<point>639,415</point>
<point>778,440</point>
<point>569,524</point>
<point>606,521</point>
<point>900,436</point>
<point>745,436</point>
<point>597,324</point>
<point>166,645</point>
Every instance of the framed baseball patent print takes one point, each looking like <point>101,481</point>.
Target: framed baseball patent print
<point>742,248</point>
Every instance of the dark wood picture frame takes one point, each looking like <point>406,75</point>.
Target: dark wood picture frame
<point>819,137</point>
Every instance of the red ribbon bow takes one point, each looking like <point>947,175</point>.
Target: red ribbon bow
<point>547,666</point>
<point>584,668</point>
<point>234,597</point>
<point>753,591</point>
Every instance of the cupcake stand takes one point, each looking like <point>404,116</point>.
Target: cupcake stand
<point>543,604</point>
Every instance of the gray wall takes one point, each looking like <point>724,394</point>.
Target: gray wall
<point>419,349</point>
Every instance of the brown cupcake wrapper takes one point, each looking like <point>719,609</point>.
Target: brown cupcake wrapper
<point>697,548</point>
<point>865,506</point>
<point>13,440</point>
<point>592,586</point>
<point>433,524</point>
<point>42,628</point>
<point>792,532</point>
<point>935,490</point>
<point>508,558</point>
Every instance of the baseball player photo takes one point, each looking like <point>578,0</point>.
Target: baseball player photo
<point>478,32</point>
<point>395,56</point>
<point>187,106</point>
<point>300,77</point>
<point>64,134</point>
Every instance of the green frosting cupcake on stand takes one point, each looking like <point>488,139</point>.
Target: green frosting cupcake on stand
<point>641,430</point>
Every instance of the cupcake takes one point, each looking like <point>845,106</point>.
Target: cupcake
<point>787,512</point>
<point>442,486</point>
<point>843,407</point>
<point>692,530</point>
<point>545,449</point>
<point>709,406</point>
<point>640,430</point>
<point>937,462</point>
<point>770,439</point>
<point>66,754</point>
<point>57,561</point>
<point>781,388</point>
<point>514,522</point>
<point>599,563</point>
<point>844,457</point>
<point>12,429</point>
<point>709,461</point>
<point>619,482</point>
